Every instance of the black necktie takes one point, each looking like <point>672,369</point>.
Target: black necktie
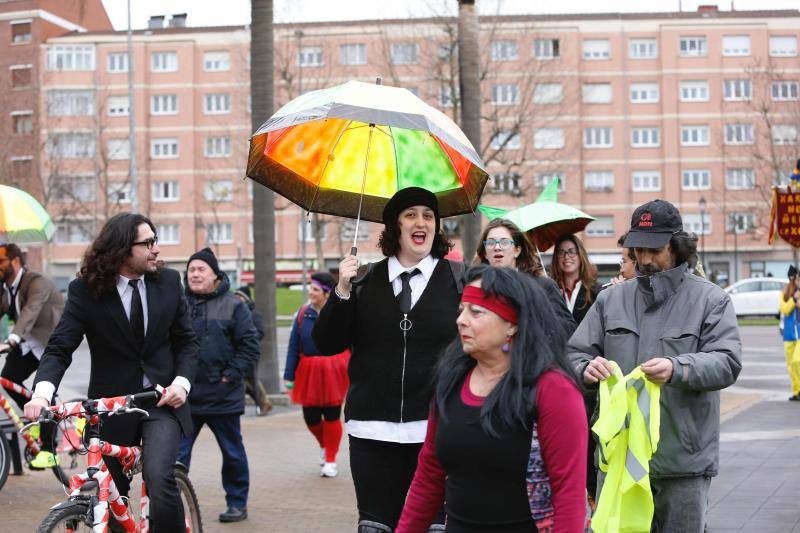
<point>137,312</point>
<point>404,298</point>
<point>12,304</point>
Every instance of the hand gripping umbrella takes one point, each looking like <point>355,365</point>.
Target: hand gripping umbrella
<point>346,150</point>
<point>22,218</point>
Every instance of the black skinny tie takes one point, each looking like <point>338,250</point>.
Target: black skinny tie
<point>12,304</point>
<point>404,298</point>
<point>137,312</point>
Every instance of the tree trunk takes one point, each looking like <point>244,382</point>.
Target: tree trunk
<point>470,86</point>
<point>261,88</point>
<point>318,230</point>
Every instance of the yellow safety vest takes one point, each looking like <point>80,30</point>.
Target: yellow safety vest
<point>628,432</point>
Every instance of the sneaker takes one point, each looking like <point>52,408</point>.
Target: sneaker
<point>329,470</point>
<point>322,457</point>
<point>233,514</point>
<point>44,460</point>
<point>795,398</point>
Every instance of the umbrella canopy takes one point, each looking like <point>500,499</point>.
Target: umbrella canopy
<point>22,218</point>
<point>545,220</point>
<point>346,150</point>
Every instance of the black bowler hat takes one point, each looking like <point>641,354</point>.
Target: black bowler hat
<point>653,225</point>
<point>409,197</point>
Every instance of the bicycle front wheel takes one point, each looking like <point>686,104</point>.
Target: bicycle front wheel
<point>191,507</point>
<point>5,458</point>
<point>73,519</point>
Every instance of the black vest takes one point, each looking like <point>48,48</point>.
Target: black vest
<point>385,383</point>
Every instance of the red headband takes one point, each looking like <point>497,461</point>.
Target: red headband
<point>498,305</point>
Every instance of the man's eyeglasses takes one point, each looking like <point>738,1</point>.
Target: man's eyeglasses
<point>148,243</point>
<point>504,244</point>
<point>567,253</point>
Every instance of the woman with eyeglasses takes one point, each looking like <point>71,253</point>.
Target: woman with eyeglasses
<point>502,244</point>
<point>575,275</point>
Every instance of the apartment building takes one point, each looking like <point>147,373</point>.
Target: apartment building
<point>699,108</point>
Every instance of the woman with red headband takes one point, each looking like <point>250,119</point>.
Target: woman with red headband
<point>506,444</point>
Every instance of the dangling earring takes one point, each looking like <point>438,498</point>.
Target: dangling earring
<point>507,346</point>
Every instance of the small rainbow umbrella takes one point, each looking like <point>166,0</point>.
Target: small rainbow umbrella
<point>347,149</point>
<point>22,218</point>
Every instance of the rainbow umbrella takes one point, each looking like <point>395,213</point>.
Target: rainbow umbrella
<point>22,218</point>
<point>347,149</point>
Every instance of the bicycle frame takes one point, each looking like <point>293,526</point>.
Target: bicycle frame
<point>5,404</point>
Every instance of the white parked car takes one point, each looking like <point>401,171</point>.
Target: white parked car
<point>757,296</point>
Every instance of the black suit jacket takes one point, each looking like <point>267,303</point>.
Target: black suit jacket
<point>117,364</point>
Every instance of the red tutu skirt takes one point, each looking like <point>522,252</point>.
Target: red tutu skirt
<point>321,380</point>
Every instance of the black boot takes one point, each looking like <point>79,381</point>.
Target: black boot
<point>367,526</point>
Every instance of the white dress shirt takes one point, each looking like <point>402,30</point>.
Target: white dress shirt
<point>27,345</point>
<point>400,432</point>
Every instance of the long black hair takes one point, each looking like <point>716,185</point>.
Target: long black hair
<point>538,346</point>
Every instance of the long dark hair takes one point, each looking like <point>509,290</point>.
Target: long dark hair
<point>527,261</point>
<point>587,272</point>
<point>389,242</point>
<point>104,257</point>
<point>684,246</point>
<point>537,346</point>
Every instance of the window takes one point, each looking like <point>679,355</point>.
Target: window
<point>119,192</point>
<point>68,188</point>
<point>217,104</point>
<point>601,226</point>
<point>783,46</point>
<point>505,140</point>
<point>164,104</point>
<point>348,231</point>
<point>70,103</point>
<point>692,223</point>
<point>352,54</point>
<point>693,46</point>
<point>505,94</point>
<point>217,147</point>
<point>547,93</point>
<point>598,138</point>
<point>21,76</point>
<point>118,149</point>
<point>738,134</point>
<point>642,49</point>
<point>168,233</point>
<point>218,191</point>
<point>736,89</point>
<point>695,135</point>
<point>548,138</point>
<point>310,56</point>
<point>599,180</point>
<point>117,63</point>
<point>404,53</point>
<point>164,148</point>
<point>645,137</point>
<point>504,51</point>
<point>739,178</point>
<point>596,93</point>
<point>74,57</point>
<point>543,179</point>
<point>596,49</point>
<point>545,48</point>
<point>71,145</point>
<point>21,166</point>
<point>736,45</point>
<point>118,106</point>
<point>646,180</point>
<point>446,95</point>
<point>784,90</point>
<point>73,232</point>
<point>22,122</point>
<point>505,183</point>
<point>164,62</point>
<point>217,61</point>
<point>166,191</point>
<point>20,31</point>
<point>784,134</point>
<point>644,93</point>
<point>311,231</point>
<point>694,91</point>
<point>219,233</point>
<point>740,222</point>
<point>695,180</point>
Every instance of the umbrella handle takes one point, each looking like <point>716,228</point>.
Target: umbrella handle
<point>354,250</point>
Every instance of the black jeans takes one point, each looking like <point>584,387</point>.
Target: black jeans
<point>18,368</point>
<point>160,435</point>
<point>382,473</point>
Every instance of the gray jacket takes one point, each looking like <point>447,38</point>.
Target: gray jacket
<point>689,320</point>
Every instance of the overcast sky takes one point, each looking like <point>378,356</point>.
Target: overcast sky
<point>233,12</point>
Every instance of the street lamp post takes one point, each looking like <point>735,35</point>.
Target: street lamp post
<point>303,231</point>
<point>702,204</point>
<point>737,224</point>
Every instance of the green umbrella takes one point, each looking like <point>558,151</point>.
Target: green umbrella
<point>545,220</point>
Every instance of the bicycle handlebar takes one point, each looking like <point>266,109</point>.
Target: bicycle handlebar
<point>104,406</point>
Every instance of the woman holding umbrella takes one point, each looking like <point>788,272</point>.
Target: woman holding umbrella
<point>396,321</point>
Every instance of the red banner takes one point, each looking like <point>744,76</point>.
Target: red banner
<point>785,216</point>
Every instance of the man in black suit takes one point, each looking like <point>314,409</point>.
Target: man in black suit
<point>134,317</point>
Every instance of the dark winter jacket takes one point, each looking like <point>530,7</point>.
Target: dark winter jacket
<point>228,347</point>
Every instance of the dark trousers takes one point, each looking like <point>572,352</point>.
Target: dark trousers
<point>235,472</point>
<point>18,368</point>
<point>382,473</point>
<point>160,435</point>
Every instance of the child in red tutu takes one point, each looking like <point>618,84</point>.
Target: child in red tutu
<point>317,382</point>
